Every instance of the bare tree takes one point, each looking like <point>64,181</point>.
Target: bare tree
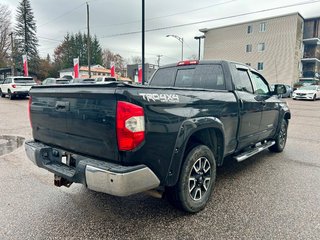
<point>136,60</point>
<point>109,57</point>
<point>5,29</point>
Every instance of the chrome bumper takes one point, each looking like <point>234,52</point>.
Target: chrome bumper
<point>97,175</point>
<point>121,184</point>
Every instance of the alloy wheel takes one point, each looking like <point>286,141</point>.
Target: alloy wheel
<point>199,178</point>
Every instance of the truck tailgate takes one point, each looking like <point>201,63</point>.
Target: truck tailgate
<point>76,118</point>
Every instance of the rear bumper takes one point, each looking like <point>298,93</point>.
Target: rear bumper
<point>97,175</point>
<point>21,92</point>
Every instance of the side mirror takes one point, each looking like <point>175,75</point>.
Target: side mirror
<point>279,89</point>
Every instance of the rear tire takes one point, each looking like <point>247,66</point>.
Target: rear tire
<point>314,97</point>
<point>196,180</point>
<point>11,96</point>
<point>2,94</point>
<point>281,138</point>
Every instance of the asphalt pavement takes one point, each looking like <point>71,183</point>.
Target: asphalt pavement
<point>269,196</point>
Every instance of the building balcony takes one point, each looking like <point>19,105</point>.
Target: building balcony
<point>310,60</point>
<point>311,41</point>
<point>311,54</point>
<point>310,74</point>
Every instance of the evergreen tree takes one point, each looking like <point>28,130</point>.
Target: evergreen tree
<point>96,56</point>
<point>75,45</point>
<point>25,34</point>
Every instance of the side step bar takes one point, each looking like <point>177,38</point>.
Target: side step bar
<point>251,152</point>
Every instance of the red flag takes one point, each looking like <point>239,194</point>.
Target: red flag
<point>25,65</point>
<point>76,67</point>
<point>140,75</point>
<point>113,72</point>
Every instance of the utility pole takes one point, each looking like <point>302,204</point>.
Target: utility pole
<point>142,37</point>
<point>88,42</point>
<point>158,60</point>
<point>12,55</point>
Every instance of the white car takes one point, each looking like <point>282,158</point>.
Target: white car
<point>16,86</point>
<point>311,92</point>
<point>105,79</point>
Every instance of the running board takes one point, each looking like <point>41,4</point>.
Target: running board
<point>251,152</point>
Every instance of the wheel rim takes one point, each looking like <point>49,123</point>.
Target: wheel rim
<point>283,135</point>
<point>199,178</point>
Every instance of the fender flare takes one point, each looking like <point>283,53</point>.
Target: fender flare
<point>187,129</point>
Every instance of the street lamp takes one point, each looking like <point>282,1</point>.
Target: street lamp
<point>180,39</point>
<point>199,38</point>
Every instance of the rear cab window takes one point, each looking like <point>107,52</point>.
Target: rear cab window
<point>208,76</point>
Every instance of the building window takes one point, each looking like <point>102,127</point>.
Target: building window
<point>249,48</point>
<point>262,27</point>
<point>249,29</point>
<point>261,47</point>
<point>248,64</point>
<point>260,66</point>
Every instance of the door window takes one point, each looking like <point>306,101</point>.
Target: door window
<point>242,82</point>
<point>260,86</point>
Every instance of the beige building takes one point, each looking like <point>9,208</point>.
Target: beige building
<point>271,45</point>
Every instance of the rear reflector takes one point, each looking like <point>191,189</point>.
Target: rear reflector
<point>188,62</point>
<point>130,126</point>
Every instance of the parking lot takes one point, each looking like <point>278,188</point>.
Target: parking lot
<point>269,196</point>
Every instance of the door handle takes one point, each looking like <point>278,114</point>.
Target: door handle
<point>62,106</point>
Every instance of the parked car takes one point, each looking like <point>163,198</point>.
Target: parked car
<point>52,81</point>
<point>289,90</point>
<point>171,134</point>
<point>311,92</point>
<point>105,79</point>
<point>16,87</point>
<point>82,80</point>
<point>69,77</point>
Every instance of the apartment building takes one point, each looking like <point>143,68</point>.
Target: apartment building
<point>273,46</point>
<point>311,56</point>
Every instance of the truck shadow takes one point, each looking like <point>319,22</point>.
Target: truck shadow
<point>143,206</point>
<point>143,217</point>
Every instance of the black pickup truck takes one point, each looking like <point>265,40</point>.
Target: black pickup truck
<point>170,134</point>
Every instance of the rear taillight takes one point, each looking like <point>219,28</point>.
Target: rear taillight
<point>188,62</point>
<point>13,85</point>
<point>29,110</point>
<point>130,126</point>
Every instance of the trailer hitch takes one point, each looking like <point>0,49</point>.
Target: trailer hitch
<point>60,181</point>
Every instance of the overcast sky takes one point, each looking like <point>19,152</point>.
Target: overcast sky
<point>110,19</point>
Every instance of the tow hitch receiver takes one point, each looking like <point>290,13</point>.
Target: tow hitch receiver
<point>60,181</point>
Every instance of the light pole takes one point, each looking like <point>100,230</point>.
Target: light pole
<point>180,39</point>
<point>199,38</point>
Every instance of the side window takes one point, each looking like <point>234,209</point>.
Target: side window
<point>163,77</point>
<point>184,77</point>
<point>260,86</point>
<point>243,83</point>
<point>209,77</point>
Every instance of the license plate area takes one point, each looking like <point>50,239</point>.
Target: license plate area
<point>68,159</point>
